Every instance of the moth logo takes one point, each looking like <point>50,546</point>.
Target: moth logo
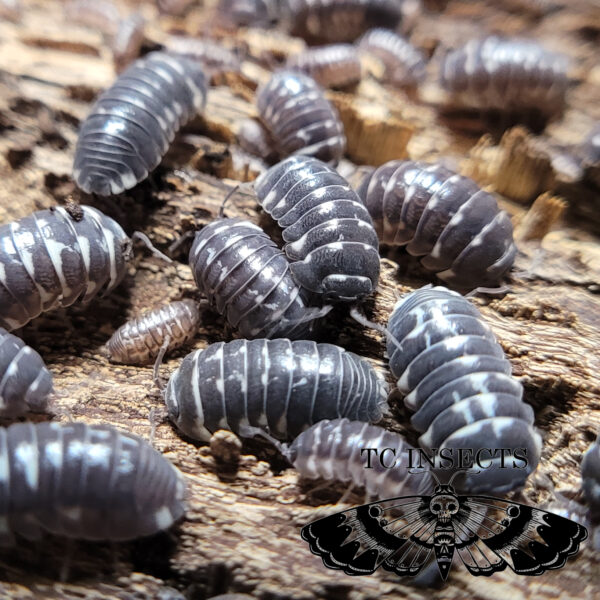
<point>404,534</point>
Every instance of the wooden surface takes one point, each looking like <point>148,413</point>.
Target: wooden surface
<point>241,531</point>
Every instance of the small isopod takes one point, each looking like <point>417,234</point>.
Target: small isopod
<point>511,75</point>
<point>140,340</point>
<point>280,386</point>
<point>333,66</point>
<point>245,13</point>
<point>444,217</point>
<point>300,120</point>
<point>328,233</point>
<point>590,476</point>
<point>89,482</point>
<point>127,41</point>
<point>458,383</point>
<point>25,382</point>
<point>131,125</point>
<point>211,55</point>
<point>247,278</point>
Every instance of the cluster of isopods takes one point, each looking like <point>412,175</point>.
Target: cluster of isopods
<point>319,402</point>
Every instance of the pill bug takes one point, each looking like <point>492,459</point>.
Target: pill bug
<point>332,450</point>
<point>139,341</point>
<point>458,383</point>
<point>299,118</point>
<point>25,382</point>
<point>590,476</point>
<point>131,125</point>
<point>127,42</point>
<point>245,13</point>
<point>337,21</point>
<point>89,482</point>
<point>328,234</point>
<point>51,258</point>
<point>214,57</point>
<point>511,75</point>
<point>247,278</point>
<point>334,66</point>
<point>403,64</point>
<point>444,217</point>
<point>277,385</point>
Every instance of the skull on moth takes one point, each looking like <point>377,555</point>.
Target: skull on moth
<point>443,506</point>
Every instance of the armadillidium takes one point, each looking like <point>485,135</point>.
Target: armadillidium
<point>590,476</point>
<point>89,482</point>
<point>458,383</point>
<point>277,385</point>
<point>247,278</point>
<point>139,341</point>
<point>402,63</point>
<point>333,450</point>
<point>128,40</point>
<point>245,13</point>
<point>213,57</point>
<point>444,217</point>
<point>507,74</point>
<point>25,382</point>
<point>131,125</point>
<point>328,234</point>
<point>334,66</point>
<point>299,118</point>
<point>51,258</point>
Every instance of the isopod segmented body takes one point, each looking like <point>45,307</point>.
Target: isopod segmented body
<point>328,234</point>
<point>590,476</point>
<point>280,386</point>
<point>51,258</point>
<point>139,341</point>
<point>403,64</point>
<point>243,13</point>
<point>247,278</point>
<point>25,382</point>
<point>507,74</point>
<point>458,383</point>
<point>213,56</point>
<point>131,125</point>
<point>334,450</point>
<point>299,118</point>
<point>88,482</point>
<point>444,217</point>
<point>335,66</point>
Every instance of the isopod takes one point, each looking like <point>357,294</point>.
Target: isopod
<point>140,340</point>
<point>25,382</point>
<point>277,385</point>
<point>244,13</point>
<point>247,278</point>
<point>211,55</point>
<point>131,125</point>
<point>89,482</point>
<point>334,66</point>
<point>403,64</point>
<point>507,74</point>
<point>299,118</point>
<point>52,258</point>
<point>458,383</point>
<point>590,476</point>
<point>444,217</point>
<point>328,233</point>
<point>128,40</point>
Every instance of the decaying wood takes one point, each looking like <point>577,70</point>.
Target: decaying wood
<point>241,532</point>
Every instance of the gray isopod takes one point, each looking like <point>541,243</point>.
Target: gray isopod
<point>140,340</point>
<point>244,13</point>
<point>507,74</point>
<point>25,382</point>
<point>590,476</point>
<point>213,57</point>
<point>328,234</point>
<point>54,258</point>
<point>458,383</point>
<point>247,278</point>
<point>279,386</point>
<point>298,117</point>
<point>88,482</point>
<point>131,125</point>
<point>444,217</point>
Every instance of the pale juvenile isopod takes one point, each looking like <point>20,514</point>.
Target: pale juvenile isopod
<point>280,386</point>
<point>89,482</point>
<point>247,278</point>
<point>328,233</point>
<point>140,340</point>
<point>25,382</point>
<point>444,217</point>
<point>131,125</point>
<point>298,117</point>
<point>333,66</point>
<point>511,75</point>
<point>457,381</point>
